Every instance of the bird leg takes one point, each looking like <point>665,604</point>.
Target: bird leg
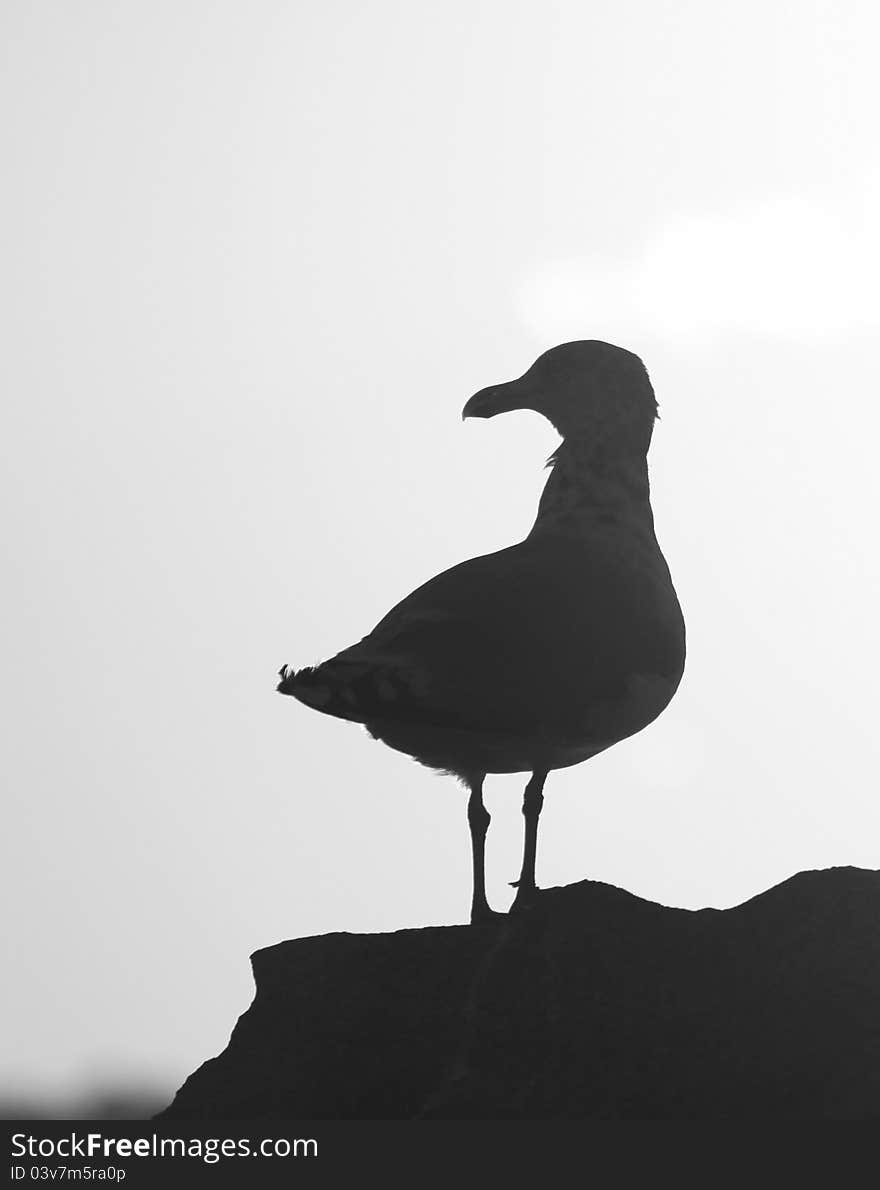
<point>533,800</point>
<point>478,821</point>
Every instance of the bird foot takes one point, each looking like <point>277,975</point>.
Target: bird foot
<point>525,898</point>
<point>482,915</point>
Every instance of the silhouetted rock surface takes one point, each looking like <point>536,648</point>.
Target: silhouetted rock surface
<point>594,1004</point>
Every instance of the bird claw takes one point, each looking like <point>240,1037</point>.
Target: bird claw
<point>525,898</point>
<point>484,916</point>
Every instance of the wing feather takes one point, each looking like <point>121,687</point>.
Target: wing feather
<point>506,642</point>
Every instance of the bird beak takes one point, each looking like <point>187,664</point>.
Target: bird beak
<point>499,398</point>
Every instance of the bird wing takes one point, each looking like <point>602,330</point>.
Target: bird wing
<point>533,636</point>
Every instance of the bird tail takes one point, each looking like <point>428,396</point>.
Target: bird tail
<point>289,677</point>
<point>323,689</point>
<point>305,684</point>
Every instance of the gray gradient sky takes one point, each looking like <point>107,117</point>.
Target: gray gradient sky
<point>256,258</point>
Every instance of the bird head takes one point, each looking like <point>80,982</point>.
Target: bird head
<point>587,389</point>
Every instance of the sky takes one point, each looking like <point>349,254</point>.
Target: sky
<point>257,256</point>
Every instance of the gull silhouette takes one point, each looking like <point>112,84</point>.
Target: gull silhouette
<point>541,655</point>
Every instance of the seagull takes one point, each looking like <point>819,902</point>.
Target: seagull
<point>544,654</point>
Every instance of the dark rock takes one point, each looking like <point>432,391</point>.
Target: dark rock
<point>594,1004</point>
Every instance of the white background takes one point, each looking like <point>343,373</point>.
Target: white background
<point>256,258</point>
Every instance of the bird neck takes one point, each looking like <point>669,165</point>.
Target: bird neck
<point>589,488</point>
